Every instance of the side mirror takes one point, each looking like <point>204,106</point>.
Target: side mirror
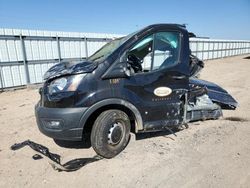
<point>117,70</point>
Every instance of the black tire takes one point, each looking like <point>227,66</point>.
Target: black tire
<point>110,133</point>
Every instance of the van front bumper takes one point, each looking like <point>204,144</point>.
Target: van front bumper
<point>60,123</point>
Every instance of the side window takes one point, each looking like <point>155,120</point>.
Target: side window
<point>166,50</point>
<point>157,51</point>
<point>140,56</point>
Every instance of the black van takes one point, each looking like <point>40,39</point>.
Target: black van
<point>145,81</point>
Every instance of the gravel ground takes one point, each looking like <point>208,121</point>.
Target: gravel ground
<point>212,153</point>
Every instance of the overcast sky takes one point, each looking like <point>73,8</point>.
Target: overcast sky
<point>221,19</point>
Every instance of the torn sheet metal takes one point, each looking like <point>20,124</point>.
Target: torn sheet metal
<point>215,93</point>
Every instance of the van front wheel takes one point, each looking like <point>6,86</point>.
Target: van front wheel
<point>110,133</point>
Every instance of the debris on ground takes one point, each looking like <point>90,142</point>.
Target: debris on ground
<point>55,159</point>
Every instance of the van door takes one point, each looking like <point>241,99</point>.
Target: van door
<point>156,85</point>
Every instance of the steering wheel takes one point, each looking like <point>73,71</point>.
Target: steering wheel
<point>135,62</point>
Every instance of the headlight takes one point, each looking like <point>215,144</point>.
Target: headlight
<point>63,84</point>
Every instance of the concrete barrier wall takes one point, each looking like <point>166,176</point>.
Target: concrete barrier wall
<point>25,55</point>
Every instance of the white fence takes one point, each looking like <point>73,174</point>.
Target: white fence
<point>25,55</point>
<point>211,49</point>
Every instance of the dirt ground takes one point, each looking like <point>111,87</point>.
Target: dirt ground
<point>212,153</point>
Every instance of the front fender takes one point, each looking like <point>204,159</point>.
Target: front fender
<point>113,101</point>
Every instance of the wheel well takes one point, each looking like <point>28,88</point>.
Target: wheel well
<point>91,119</point>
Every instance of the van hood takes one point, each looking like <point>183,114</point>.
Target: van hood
<point>69,68</point>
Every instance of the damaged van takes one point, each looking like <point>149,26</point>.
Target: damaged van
<point>145,81</point>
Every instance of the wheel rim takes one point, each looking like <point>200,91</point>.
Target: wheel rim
<point>115,133</point>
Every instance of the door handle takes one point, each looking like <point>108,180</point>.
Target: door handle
<point>179,77</point>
